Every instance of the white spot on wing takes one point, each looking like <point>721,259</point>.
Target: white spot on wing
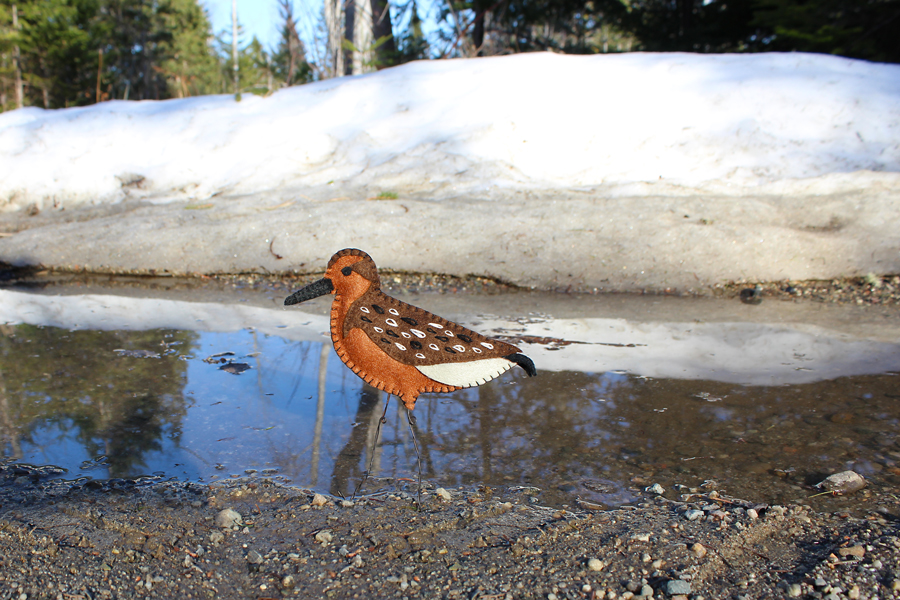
<point>417,333</point>
<point>488,346</point>
<point>393,311</point>
<point>391,322</point>
<point>433,346</point>
<point>379,330</point>
<point>400,346</point>
<point>459,348</point>
<point>437,325</point>
<point>406,335</point>
<point>466,374</point>
<point>419,355</point>
<point>364,309</point>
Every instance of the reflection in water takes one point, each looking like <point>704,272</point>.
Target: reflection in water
<point>350,460</point>
<point>62,387</point>
<point>68,398</point>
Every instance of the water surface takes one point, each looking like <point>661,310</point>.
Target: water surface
<point>758,402</point>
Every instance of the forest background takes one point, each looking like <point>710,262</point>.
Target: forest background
<point>62,53</point>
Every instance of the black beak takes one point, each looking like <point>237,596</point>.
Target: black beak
<point>313,290</point>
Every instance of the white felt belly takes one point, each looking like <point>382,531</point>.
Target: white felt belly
<point>467,374</point>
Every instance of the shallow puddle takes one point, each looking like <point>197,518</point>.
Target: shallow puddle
<point>758,402</point>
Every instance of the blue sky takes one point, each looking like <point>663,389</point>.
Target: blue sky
<point>257,17</point>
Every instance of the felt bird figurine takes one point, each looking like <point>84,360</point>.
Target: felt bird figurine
<point>399,348</point>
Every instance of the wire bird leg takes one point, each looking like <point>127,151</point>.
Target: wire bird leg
<point>381,422</point>
<point>411,420</point>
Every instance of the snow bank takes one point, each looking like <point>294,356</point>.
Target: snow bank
<point>620,124</point>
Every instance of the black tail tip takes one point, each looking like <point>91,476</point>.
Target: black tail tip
<point>524,362</point>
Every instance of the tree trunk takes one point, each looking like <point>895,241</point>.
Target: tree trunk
<point>478,31</point>
<point>17,59</point>
<point>334,22</point>
<point>382,29</point>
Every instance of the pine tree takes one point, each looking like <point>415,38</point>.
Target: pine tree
<point>188,63</point>
<point>411,43</point>
<point>289,64</point>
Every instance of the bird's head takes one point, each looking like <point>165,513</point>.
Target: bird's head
<point>350,272</point>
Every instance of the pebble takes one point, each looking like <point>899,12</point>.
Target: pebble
<point>656,489</point>
<point>595,564</point>
<point>319,500</point>
<point>857,551</point>
<point>324,537</point>
<point>254,557</point>
<point>288,582</point>
<point>795,590</point>
<point>678,586</point>
<point>698,550</point>
<point>646,591</point>
<point>443,494</point>
<point>751,512</point>
<point>693,515</point>
<point>844,482</point>
<point>228,518</point>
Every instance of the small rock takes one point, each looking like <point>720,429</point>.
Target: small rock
<point>646,591</point>
<point>228,518</point>
<point>215,537</point>
<point>751,512</point>
<point>254,557</point>
<point>551,596</point>
<point>442,494</point>
<point>820,583</point>
<point>678,586</point>
<point>845,482</point>
<point>795,590</point>
<point>319,500</point>
<point>357,562</point>
<point>854,593</point>
<point>324,537</point>
<point>693,515</point>
<point>288,582</point>
<point>347,504</point>
<point>698,550</point>
<point>656,489</point>
<point>857,551</point>
<point>595,564</point>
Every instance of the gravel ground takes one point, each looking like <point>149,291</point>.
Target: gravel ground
<point>127,539</point>
<point>123,539</point>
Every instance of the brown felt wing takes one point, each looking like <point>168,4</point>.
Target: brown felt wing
<point>440,349</point>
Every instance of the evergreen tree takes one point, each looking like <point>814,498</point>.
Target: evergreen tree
<point>59,55</point>
<point>190,65</point>
<point>289,64</point>
<point>856,28</point>
<point>411,43</point>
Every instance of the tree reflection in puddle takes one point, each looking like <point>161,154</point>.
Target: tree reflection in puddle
<point>75,399</point>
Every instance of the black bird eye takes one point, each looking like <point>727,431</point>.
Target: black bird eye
<point>346,271</point>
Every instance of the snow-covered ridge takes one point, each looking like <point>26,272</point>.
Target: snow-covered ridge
<point>631,123</point>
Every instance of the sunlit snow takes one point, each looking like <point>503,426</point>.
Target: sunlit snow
<point>630,123</point>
